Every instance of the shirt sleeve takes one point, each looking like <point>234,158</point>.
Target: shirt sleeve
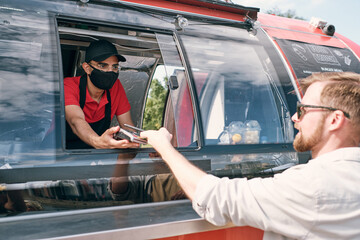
<point>138,190</point>
<point>271,204</point>
<point>71,92</point>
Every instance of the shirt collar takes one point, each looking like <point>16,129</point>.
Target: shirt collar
<point>349,153</point>
<point>103,100</point>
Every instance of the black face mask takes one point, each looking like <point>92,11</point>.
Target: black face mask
<point>103,80</point>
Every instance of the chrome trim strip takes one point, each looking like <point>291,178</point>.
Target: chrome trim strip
<point>151,231</point>
<point>91,210</point>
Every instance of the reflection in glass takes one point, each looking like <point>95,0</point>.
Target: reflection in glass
<point>236,85</point>
<point>142,188</point>
<point>29,93</point>
<point>156,100</point>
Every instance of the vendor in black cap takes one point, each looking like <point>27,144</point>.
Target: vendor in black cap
<point>92,100</point>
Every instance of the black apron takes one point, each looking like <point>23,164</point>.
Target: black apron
<point>72,140</point>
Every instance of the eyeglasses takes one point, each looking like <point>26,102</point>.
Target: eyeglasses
<point>301,111</point>
<point>105,66</point>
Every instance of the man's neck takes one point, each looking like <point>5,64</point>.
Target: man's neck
<point>95,93</point>
<point>333,144</point>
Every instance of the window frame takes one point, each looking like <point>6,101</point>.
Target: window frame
<point>170,32</point>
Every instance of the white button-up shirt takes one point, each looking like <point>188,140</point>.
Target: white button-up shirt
<point>317,200</point>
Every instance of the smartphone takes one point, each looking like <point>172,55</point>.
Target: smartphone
<point>134,128</point>
<point>130,136</point>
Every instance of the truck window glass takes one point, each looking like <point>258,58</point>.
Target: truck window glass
<point>179,93</point>
<point>240,95</point>
<point>157,94</point>
<point>29,90</point>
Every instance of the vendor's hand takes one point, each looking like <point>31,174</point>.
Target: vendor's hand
<point>158,139</point>
<point>106,140</point>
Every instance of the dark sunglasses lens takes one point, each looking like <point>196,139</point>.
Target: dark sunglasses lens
<point>299,111</point>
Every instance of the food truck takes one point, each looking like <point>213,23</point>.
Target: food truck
<point>222,78</point>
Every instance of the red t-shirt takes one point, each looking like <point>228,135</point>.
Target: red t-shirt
<point>96,111</point>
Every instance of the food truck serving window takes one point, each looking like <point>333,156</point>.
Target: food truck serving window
<point>241,99</point>
<point>151,59</point>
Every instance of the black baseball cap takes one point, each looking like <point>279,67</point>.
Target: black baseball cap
<point>101,50</point>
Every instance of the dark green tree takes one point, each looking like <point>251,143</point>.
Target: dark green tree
<point>154,107</point>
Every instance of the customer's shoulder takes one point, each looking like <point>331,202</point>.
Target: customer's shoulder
<point>341,154</point>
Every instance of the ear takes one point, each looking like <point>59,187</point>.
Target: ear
<point>337,120</point>
<point>86,68</point>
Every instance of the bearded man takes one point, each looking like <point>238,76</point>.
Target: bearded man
<point>317,200</point>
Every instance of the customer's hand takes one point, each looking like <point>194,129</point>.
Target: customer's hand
<point>159,139</point>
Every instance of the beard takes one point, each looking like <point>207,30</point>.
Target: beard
<point>303,144</point>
